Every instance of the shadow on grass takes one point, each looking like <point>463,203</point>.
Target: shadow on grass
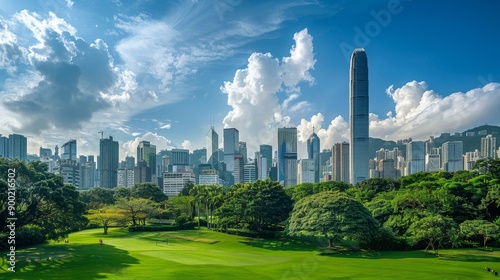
<point>87,261</point>
<point>282,244</point>
<point>469,258</point>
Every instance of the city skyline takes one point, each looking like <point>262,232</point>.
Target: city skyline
<point>254,67</point>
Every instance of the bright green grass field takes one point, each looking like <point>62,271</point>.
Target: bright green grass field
<point>190,255</point>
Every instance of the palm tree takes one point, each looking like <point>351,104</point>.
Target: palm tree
<point>198,192</point>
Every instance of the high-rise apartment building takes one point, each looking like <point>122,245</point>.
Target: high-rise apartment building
<point>108,163</point>
<point>415,157</point>
<point>287,156</point>
<point>489,147</point>
<point>453,156</point>
<point>358,117</point>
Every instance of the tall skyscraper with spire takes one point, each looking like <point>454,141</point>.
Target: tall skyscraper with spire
<point>313,151</point>
<point>358,117</point>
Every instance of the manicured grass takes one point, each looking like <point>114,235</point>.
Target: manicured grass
<point>193,255</point>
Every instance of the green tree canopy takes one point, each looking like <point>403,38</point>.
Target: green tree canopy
<point>261,205</point>
<point>486,230</point>
<point>42,199</point>
<point>148,191</point>
<point>333,215</point>
<point>106,217</point>
<point>434,230</point>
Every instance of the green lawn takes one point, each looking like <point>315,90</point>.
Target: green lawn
<point>203,254</point>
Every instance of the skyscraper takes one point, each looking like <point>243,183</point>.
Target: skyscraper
<point>231,148</point>
<point>415,156</point>
<point>69,150</point>
<point>4,146</point>
<point>358,117</point>
<point>18,146</point>
<point>266,151</point>
<point>108,162</point>
<point>340,162</point>
<point>242,150</point>
<point>287,156</point>
<point>147,152</point>
<point>489,147</point>
<point>453,156</point>
<point>213,148</point>
<point>313,151</point>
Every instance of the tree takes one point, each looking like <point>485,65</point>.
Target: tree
<point>96,198</point>
<point>182,204</point>
<point>107,216</point>
<point>137,210</point>
<point>333,215</point>
<point>186,189</point>
<point>488,166</point>
<point>199,194</point>
<point>148,191</point>
<point>434,229</point>
<point>42,199</point>
<point>258,206</point>
<point>480,228</point>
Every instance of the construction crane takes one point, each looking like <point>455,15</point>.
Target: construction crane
<point>102,134</point>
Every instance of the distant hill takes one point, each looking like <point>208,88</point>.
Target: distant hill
<point>471,139</point>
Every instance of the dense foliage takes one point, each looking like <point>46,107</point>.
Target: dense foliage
<point>45,208</point>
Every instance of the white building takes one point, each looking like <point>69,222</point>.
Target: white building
<point>488,147</point>
<point>249,173</point>
<point>174,182</point>
<point>126,177</point>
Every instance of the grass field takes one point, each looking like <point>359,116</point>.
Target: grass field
<point>204,254</point>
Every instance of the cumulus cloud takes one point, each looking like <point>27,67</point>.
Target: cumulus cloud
<point>69,74</point>
<point>419,113</point>
<point>130,147</point>
<point>186,144</point>
<point>253,93</point>
<point>336,131</point>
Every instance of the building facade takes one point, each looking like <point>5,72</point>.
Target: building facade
<point>108,163</point>
<point>313,152</point>
<point>358,117</point>
<point>287,156</point>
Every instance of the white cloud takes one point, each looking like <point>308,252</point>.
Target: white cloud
<point>186,144</point>
<point>166,126</point>
<point>337,130</point>
<point>256,110</point>
<point>421,112</point>
<point>130,147</point>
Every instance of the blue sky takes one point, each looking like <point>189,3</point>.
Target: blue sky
<point>164,71</point>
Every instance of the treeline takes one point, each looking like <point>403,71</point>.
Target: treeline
<point>424,210</point>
